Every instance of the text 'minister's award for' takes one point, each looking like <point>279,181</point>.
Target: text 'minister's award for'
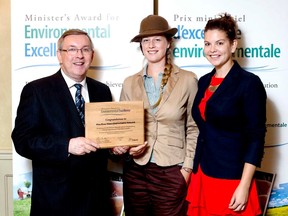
<point>113,124</point>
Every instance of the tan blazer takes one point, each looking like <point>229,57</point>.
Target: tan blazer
<point>170,131</point>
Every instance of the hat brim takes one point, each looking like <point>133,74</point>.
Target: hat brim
<point>169,33</point>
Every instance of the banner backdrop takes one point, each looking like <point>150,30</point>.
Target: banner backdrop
<point>36,27</point>
<point>262,49</point>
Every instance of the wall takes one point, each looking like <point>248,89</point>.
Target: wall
<point>6,205</point>
<point>6,185</point>
<point>5,76</point>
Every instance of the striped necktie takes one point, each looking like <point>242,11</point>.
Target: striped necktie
<point>79,101</point>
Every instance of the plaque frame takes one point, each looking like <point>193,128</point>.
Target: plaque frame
<point>112,124</point>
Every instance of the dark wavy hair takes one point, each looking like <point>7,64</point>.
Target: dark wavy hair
<point>224,22</point>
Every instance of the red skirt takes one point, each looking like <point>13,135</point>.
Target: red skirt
<point>211,196</point>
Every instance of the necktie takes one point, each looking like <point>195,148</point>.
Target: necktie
<point>79,101</point>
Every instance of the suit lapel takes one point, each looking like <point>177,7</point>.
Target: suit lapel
<point>64,92</point>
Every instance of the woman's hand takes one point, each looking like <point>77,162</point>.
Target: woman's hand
<point>138,150</point>
<point>186,172</point>
<point>119,150</point>
<point>239,199</point>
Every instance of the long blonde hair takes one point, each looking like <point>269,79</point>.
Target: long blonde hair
<point>167,72</point>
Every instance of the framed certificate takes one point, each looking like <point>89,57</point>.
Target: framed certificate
<point>113,124</point>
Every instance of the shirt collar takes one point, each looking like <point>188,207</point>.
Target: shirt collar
<point>70,83</point>
<point>145,72</point>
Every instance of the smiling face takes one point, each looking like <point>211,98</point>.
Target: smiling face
<point>75,65</point>
<point>218,48</point>
<point>154,48</point>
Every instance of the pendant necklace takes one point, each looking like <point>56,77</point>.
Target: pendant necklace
<point>215,83</point>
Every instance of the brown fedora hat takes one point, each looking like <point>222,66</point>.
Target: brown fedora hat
<point>154,25</point>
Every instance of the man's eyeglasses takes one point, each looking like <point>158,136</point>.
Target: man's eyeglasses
<point>74,51</point>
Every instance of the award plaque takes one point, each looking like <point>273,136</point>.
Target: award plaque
<point>113,124</point>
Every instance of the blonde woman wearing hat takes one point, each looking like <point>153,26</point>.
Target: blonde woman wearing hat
<point>156,176</point>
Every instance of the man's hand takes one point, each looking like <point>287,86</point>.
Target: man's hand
<point>81,146</point>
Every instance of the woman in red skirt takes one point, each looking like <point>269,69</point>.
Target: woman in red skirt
<point>230,111</point>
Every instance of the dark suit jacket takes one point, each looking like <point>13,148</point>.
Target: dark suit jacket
<point>46,120</point>
<point>234,130</point>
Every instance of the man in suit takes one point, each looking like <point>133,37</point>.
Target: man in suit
<point>69,171</point>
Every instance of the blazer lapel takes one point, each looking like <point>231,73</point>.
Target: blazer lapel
<point>169,86</point>
<point>141,91</point>
<point>228,82</point>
